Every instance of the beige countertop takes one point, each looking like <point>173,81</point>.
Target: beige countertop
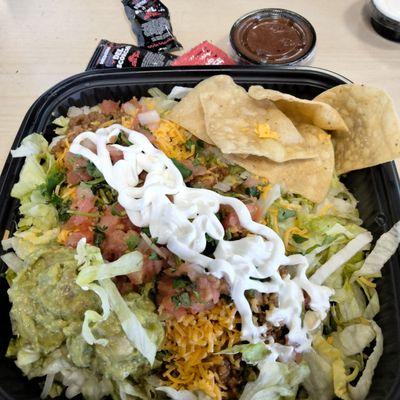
<point>45,41</point>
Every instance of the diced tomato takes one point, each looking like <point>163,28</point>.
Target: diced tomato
<point>115,154</point>
<point>114,217</point>
<point>81,225</point>
<point>123,284</point>
<point>151,268</point>
<point>204,292</point>
<point>75,237</point>
<point>199,170</point>
<point>85,200</point>
<point>165,294</point>
<point>76,169</point>
<point>231,219</point>
<point>114,244</point>
<point>146,133</point>
<point>250,182</point>
<point>208,288</point>
<point>255,211</point>
<point>89,145</point>
<point>108,106</point>
<point>117,229</point>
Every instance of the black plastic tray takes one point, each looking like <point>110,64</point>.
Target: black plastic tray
<point>377,188</point>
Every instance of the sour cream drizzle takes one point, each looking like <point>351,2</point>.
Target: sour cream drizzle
<point>180,217</point>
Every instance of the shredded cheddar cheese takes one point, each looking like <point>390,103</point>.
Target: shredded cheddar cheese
<point>326,208</point>
<point>264,131</point>
<point>127,122</point>
<point>63,236</point>
<point>171,139</point>
<point>148,103</point>
<point>60,155</point>
<point>193,342</point>
<point>264,189</point>
<point>107,123</point>
<point>287,236</point>
<point>365,281</point>
<point>273,218</point>
<point>68,192</point>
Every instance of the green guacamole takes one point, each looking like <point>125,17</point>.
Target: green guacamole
<point>47,312</point>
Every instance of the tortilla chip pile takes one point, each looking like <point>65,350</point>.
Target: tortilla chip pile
<point>294,142</point>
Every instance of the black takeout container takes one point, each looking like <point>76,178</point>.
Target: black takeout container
<point>377,189</point>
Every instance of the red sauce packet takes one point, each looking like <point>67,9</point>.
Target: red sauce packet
<point>204,53</point>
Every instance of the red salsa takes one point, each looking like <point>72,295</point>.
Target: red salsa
<point>273,36</point>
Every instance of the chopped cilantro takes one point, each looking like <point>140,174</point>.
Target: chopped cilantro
<point>154,256</point>
<point>146,231</point>
<point>228,234</point>
<point>93,171</point>
<point>62,209</point>
<point>197,160</point>
<point>185,299</point>
<point>181,300</point>
<point>310,249</point>
<point>99,235</point>
<point>197,144</point>
<point>284,214</point>
<point>190,143</point>
<point>123,140</point>
<point>211,245</point>
<point>209,239</point>
<point>253,192</point>
<point>54,179</point>
<point>176,301</point>
<point>95,181</point>
<point>185,172</point>
<point>106,194</point>
<point>299,239</point>
<point>235,170</point>
<point>132,242</point>
<point>179,283</point>
<point>328,240</point>
<point>117,213</point>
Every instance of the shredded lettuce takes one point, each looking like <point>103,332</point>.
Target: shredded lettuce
<point>276,380</point>
<point>39,226</point>
<point>125,388</point>
<point>26,356</point>
<point>334,364</point>
<point>319,383</point>
<point>384,248</point>
<point>62,125</point>
<point>159,100</point>
<point>266,201</point>
<point>125,265</point>
<point>341,257</point>
<point>183,394</point>
<point>339,203</point>
<point>353,339</point>
<point>32,175</point>
<point>251,353</point>
<point>360,391</point>
<point>93,268</point>
<point>178,92</point>
<point>31,145</point>
<point>13,261</point>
